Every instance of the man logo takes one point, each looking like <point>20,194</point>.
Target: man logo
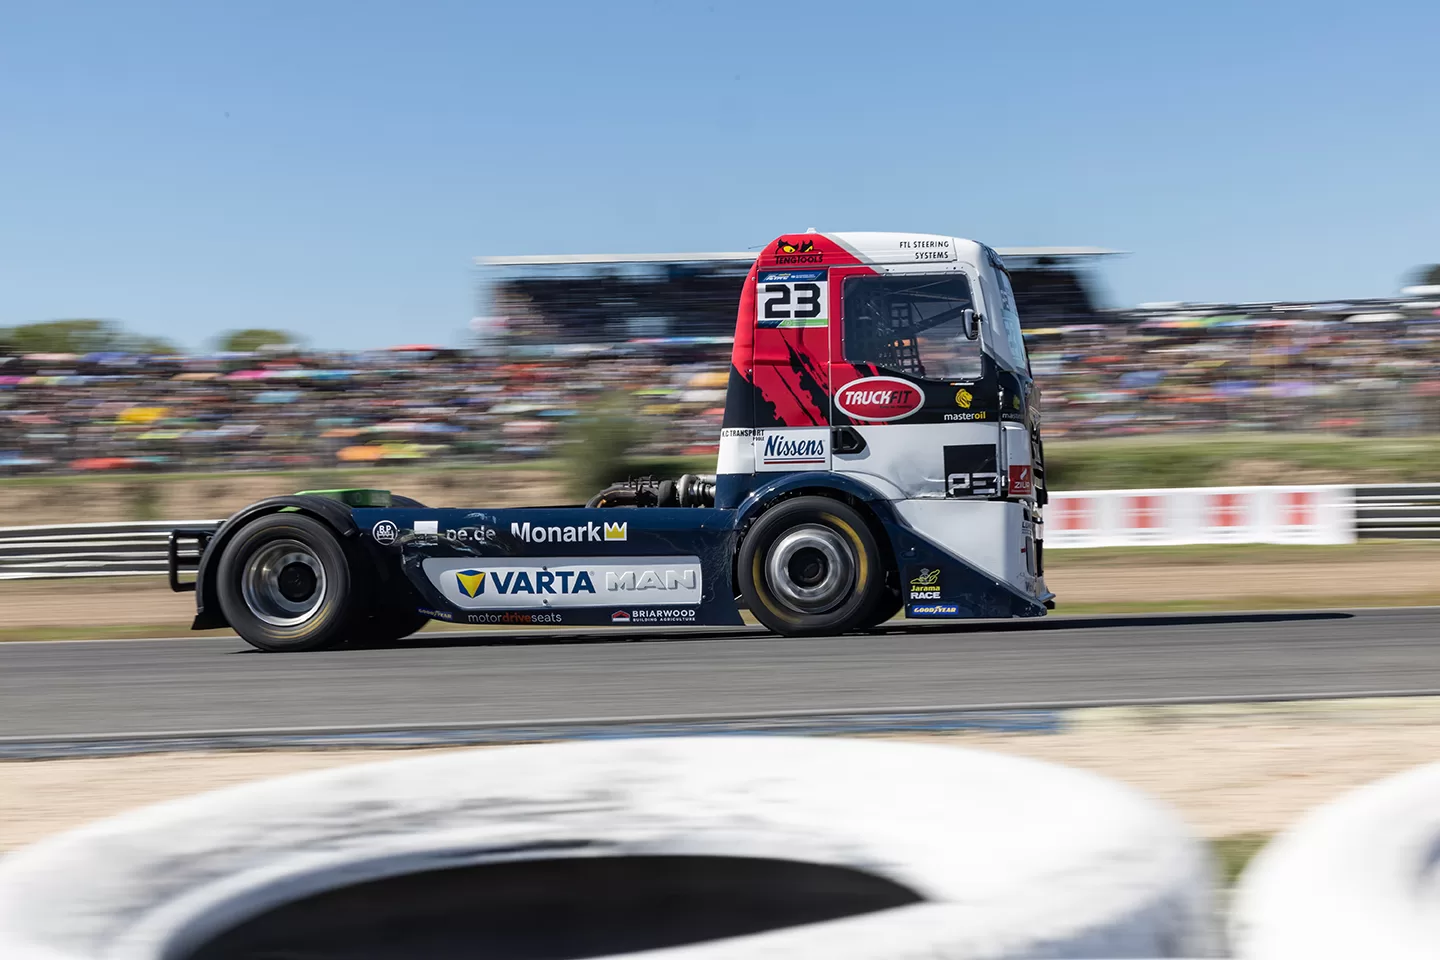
<point>472,582</point>
<point>617,531</point>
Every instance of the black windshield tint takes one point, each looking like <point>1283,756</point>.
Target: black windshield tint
<point>912,325</point>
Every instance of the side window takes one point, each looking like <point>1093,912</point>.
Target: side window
<point>911,324</point>
<point>1010,317</point>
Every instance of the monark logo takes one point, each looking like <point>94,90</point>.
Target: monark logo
<point>782,449</point>
<point>582,533</point>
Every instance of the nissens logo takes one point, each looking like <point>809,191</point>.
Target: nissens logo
<point>879,399</point>
<point>780,448</point>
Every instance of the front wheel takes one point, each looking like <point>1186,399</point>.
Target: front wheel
<point>811,565</point>
<point>284,584</point>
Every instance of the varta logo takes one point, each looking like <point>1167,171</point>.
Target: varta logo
<point>472,582</point>
<point>578,533</point>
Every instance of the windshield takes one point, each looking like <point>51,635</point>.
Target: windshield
<point>911,324</point>
<point>1013,348</point>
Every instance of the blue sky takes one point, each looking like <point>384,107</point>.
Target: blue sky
<point>333,167</point>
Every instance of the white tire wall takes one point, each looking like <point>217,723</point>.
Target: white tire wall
<point>1358,877</point>
<point>1010,857</point>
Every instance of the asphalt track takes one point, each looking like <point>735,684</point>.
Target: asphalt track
<point>76,689</point>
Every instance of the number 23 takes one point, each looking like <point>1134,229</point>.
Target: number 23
<point>807,301</point>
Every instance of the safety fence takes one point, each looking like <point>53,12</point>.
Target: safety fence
<point>92,549</point>
<point>1301,514</point>
<point>1315,514</point>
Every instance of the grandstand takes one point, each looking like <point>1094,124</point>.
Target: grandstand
<point>614,298</point>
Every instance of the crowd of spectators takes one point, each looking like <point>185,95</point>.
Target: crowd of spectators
<point>1166,370</point>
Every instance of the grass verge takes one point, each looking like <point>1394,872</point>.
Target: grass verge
<point>1234,853</point>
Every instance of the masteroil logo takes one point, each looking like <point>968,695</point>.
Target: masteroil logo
<point>963,398</point>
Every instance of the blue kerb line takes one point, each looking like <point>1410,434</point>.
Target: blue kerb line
<point>997,721</point>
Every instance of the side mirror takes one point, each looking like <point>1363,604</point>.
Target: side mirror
<point>971,323</point>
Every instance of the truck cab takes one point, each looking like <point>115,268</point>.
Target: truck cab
<point>880,452</point>
<point>894,362</point>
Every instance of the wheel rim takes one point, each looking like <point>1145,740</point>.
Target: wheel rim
<point>811,568</point>
<point>283,583</point>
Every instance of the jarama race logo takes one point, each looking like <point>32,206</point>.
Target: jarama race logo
<point>798,451</point>
<point>926,584</point>
<point>578,533</point>
<point>879,399</point>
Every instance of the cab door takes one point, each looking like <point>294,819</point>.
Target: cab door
<point>791,369</point>
<point>914,413</point>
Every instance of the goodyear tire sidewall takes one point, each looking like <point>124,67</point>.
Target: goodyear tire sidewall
<point>845,520</point>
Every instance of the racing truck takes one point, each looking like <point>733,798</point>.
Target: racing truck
<point>880,451</point>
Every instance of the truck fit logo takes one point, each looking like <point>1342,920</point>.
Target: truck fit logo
<point>792,450</point>
<point>879,399</point>
<point>577,533</point>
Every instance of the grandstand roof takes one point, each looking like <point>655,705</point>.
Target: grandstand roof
<point>738,257</point>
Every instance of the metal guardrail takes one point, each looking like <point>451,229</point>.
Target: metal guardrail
<point>1407,511</point>
<point>92,549</point>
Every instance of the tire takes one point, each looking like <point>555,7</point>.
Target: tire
<point>285,584</point>
<point>811,565</point>
<point>388,625</point>
<point>889,605</point>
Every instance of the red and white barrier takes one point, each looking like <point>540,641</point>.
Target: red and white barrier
<point>1185,515</point>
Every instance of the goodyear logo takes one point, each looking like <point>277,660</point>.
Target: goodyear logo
<point>472,582</point>
<point>963,398</point>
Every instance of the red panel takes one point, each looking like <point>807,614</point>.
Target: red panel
<point>1300,508</point>
<point>1227,510</point>
<point>1144,513</point>
<point>1074,513</point>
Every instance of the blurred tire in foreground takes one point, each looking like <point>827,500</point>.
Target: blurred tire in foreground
<point>704,847</point>
<point>1358,877</point>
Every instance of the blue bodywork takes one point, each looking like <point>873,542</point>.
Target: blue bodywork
<point>711,535</point>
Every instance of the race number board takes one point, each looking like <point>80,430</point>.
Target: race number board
<point>792,298</point>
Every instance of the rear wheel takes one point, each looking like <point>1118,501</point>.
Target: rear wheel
<point>284,583</point>
<point>811,565</point>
